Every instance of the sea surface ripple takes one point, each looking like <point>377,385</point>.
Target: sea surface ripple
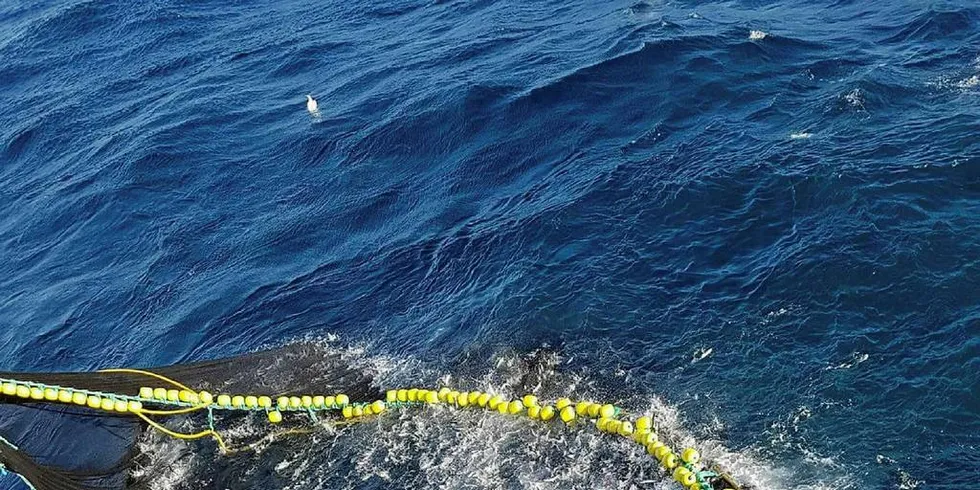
<point>762,217</point>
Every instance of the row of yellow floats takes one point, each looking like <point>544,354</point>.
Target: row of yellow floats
<point>606,417</point>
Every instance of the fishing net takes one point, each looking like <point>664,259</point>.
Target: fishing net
<point>283,372</point>
<point>284,393</point>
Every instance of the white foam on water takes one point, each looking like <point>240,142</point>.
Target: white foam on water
<point>972,81</point>
<point>905,480</point>
<point>969,82</point>
<point>757,35</point>
<point>443,447</point>
<point>964,82</point>
<point>855,98</point>
<point>701,353</point>
<point>171,461</point>
<point>776,314</point>
<point>855,359</point>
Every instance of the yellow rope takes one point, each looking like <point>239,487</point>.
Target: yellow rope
<point>142,412</point>
<point>147,373</point>
<point>178,435</point>
<point>161,377</point>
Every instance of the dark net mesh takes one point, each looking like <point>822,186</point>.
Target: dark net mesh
<point>61,447</point>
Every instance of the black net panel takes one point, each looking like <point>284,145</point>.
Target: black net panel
<point>60,447</point>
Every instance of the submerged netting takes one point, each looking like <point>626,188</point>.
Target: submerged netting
<point>295,389</point>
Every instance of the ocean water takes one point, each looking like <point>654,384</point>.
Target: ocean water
<point>759,219</point>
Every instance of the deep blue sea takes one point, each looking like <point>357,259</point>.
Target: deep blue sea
<point>760,219</point>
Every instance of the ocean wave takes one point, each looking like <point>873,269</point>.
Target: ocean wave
<point>634,184</point>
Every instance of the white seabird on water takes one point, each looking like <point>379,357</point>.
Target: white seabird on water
<point>311,105</point>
